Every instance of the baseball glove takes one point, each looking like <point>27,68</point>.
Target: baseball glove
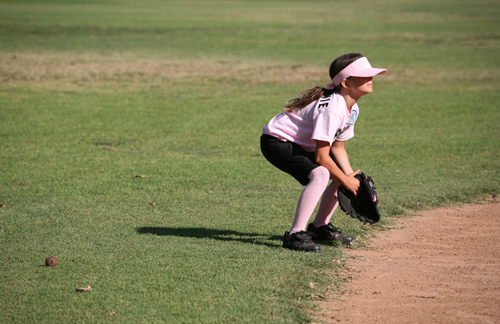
<point>364,206</point>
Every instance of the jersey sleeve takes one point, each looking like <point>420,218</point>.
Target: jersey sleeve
<point>325,125</point>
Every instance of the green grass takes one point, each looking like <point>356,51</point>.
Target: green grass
<point>95,93</point>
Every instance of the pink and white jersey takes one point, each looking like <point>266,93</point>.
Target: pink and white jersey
<point>326,119</point>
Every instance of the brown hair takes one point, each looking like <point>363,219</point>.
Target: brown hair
<point>314,93</point>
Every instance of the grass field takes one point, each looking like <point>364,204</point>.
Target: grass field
<point>95,93</point>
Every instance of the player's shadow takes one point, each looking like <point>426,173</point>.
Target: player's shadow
<point>216,234</point>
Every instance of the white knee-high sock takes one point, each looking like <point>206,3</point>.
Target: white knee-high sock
<point>328,204</point>
<point>309,198</point>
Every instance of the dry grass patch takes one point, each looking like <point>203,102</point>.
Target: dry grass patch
<point>67,69</point>
<point>97,70</point>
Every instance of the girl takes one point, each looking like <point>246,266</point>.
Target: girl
<point>307,141</point>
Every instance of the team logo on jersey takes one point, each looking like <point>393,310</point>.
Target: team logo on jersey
<point>352,119</point>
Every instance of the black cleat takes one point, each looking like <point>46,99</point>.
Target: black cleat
<point>328,232</point>
<point>300,241</point>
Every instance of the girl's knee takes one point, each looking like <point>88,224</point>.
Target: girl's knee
<point>320,174</point>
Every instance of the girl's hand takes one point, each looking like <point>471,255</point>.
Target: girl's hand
<point>351,183</point>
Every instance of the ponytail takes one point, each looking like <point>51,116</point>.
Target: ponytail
<point>306,97</point>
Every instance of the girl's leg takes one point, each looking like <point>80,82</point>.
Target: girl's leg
<point>329,203</point>
<point>309,198</point>
<point>321,227</point>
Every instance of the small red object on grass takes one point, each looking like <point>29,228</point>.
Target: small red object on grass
<point>51,261</point>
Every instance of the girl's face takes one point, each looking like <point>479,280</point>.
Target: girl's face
<point>360,86</point>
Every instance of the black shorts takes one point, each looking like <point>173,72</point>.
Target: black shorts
<point>289,157</point>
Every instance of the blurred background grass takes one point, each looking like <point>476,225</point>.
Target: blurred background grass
<point>95,93</point>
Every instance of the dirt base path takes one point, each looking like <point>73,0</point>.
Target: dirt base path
<point>440,267</point>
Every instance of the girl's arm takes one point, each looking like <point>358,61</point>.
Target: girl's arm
<point>344,174</point>
<point>340,155</point>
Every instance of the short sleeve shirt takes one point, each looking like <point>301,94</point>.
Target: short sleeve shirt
<point>326,119</point>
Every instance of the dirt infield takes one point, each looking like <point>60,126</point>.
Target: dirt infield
<point>442,266</point>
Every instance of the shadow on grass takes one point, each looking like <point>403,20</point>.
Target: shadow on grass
<point>216,234</point>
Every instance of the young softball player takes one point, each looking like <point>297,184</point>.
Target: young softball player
<point>307,140</point>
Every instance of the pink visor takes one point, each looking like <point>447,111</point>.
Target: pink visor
<point>359,68</point>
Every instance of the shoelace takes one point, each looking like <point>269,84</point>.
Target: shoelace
<point>333,228</point>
